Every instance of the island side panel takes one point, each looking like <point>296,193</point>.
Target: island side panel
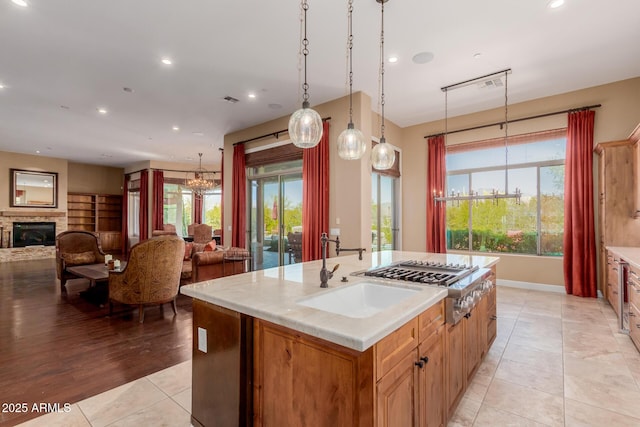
<point>301,380</point>
<point>221,381</point>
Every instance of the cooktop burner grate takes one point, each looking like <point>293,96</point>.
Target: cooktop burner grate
<point>426,272</point>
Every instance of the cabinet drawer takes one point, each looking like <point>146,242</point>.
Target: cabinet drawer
<point>634,287</point>
<point>430,320</point>
<point>392,348</point>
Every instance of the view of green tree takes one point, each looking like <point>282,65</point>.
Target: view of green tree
<point>213,217</point>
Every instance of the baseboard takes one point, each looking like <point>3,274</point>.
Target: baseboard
<point>531,286</point>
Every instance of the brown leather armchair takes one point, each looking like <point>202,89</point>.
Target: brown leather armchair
<point>76,248</point>
<point>152,275</point>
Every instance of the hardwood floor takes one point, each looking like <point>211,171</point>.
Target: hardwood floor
<point>61,348</point>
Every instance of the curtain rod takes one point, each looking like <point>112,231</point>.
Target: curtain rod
<point>276,134</point>
<point>570,110</point>
<point>167,170</point>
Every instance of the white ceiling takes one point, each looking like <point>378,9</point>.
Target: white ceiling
<point>60,60</point>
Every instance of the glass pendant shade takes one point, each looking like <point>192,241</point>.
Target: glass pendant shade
<point>383,156</point>
<point>305,127</point>
<point>351,145</point>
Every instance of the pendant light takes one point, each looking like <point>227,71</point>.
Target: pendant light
<point>305,125</point>
<point>383,156</point>
<point>351,145</point>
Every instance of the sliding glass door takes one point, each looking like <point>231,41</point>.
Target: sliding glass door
<point>275,212</point>
<point>384,221</point>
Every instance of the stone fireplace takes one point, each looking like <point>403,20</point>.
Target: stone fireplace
<point>35,250</point>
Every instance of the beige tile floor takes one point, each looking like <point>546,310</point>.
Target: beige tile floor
<point>557,361</point>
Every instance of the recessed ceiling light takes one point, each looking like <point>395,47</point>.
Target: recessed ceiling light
<point>252,95</point>
<point>102,110</point>
<point>38,152</point>
<point>167,61</point>
<point>198,133</point>
<point>477,55</point>
<point>393,59</point>
<point>20,3</point>
<point>1,86</point>
<point>176,128</point>
<point>422,57</point>
<point>555,4</point>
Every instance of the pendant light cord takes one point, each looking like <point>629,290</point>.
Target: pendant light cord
<point>506,133</point>
<point>305,52</point>
<point>350,47</point>
<point>382,69</point>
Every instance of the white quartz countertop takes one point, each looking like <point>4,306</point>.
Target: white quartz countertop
<point>273,295</point>
<point>630,254</point>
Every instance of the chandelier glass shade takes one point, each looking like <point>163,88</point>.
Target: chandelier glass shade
<point>383,156</point>
<point>305,125</point>
<point>202,180</point>
<point>351,144</point>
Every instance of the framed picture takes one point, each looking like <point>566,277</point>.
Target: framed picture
<point>34,189</point>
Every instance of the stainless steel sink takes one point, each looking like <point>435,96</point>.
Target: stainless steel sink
<point>364,299</point>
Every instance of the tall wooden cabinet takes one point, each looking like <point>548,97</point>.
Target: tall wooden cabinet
<point>101,213</point>
<point>616,201</point>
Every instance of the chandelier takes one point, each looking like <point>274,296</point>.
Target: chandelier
<point>202,180</point>
<point>383,156</point>
<point>305,125</point>
<point>351,144</point>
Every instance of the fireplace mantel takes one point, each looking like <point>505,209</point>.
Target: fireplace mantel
<point>33,213</point>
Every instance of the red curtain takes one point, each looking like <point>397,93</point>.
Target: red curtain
<point>197,209</point>
<point>238,198</point>
<point>436,179</point>
<point>144,205</point>
<point>315,196</point>
<point>125,216</point>
<point>157,211</point>
<point>579,234</point>
<point>222,196</point>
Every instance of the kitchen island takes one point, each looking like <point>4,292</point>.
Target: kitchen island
<point>261,357</point>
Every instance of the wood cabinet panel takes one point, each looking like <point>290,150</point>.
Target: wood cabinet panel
<point>397,394</point>
<point>454,365</point>
<point>634,324</point>
<point>393,348</point>
<point>432,393</point>
<point>430,321</point>
<point>471,341</point>
<point>299,380</point>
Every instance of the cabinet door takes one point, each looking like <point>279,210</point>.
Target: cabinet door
<point>432,384</point>
<point>483,324</point>
<point>456,375</point>
<point>471,335</point>
<point>397,394</point>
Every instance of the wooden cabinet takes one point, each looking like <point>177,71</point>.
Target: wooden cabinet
<point>397,394</point>
<point>472,344</point>
<point>258,373</point>
<point>634,139</point>
<point>612,282</point>
<point>431,380</point>
<point>633,282</point>
<point>616,205</point>
<point>454,364</point>
<point>99,213</point>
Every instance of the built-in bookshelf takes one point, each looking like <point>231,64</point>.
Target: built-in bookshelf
<point>101,213</point>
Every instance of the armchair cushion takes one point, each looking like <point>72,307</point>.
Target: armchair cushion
<point>211,246</point>
<point>188,248</point>
<point>80,258</point>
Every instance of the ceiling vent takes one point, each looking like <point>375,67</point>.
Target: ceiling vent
<point>490,83</point>
<point>230,99</point>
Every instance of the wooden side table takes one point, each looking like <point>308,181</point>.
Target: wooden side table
<point>236,257</point>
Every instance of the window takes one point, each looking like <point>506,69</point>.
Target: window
<point>179,205</point>
<point>535,224</point>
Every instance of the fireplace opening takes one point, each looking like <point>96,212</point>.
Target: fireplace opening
<point>34,234</point>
